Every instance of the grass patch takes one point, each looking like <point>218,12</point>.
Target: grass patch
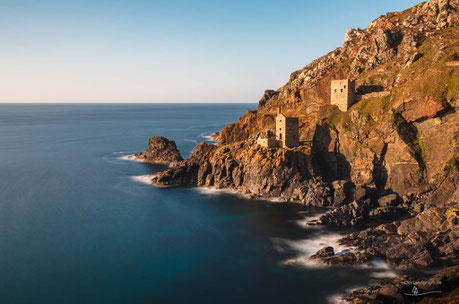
<point>452,86</point>
<point>368,108</point>
<point>335,116</point>
<point>369,111</point>
<point>452,162</point>
<point>417,146</point>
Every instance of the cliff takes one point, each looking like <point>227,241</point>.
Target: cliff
<point>389,165</point>
<point>401,140</point>
<point>404,141</point>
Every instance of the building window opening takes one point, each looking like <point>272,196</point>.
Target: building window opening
<point>341,90</point>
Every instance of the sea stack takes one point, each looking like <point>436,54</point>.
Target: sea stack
<point>160,150</point>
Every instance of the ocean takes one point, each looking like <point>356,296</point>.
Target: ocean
<point>78,225</point>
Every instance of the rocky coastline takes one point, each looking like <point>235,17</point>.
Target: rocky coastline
<point>388,167</point>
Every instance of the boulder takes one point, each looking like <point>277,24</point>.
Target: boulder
<point>323,253</point>
<point>389,200</point>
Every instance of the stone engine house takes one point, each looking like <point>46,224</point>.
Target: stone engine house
<point>342,93</point>
<point>287,133</point>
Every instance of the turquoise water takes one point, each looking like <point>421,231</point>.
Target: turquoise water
<point>76,227</point>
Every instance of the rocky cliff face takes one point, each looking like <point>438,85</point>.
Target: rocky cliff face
<point>400,141</point>
<point>390,164</point>
<point>404,142</point>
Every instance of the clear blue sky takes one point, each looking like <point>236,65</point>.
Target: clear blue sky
<point>167,51</point>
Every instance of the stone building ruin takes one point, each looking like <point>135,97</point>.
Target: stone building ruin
<point>342,93</point>
<point>287,133</point>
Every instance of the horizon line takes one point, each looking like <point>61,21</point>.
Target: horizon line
<point>127,102</point>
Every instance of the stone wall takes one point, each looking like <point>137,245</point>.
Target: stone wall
<point>268,142</point>
<point>371,95</point>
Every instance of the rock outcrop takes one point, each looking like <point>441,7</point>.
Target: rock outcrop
<point>248,169</point>
<point>160,150</point>
<point>389,165</point>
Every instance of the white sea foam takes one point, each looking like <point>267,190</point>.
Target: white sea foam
<point>130,157</point>
<point>382,269</point>
<point>275,199</point>
<point>145,179</point>
<point>212,191</point>
<point>308,221</point>
<point>338,298</point>
<point>115,157</point>
<point>208,137</point>
<point>307,247</point>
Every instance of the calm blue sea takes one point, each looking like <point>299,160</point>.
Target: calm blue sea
<point>77,227</point>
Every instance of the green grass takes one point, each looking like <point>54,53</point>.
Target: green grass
<point>335,116</point>
<point>371,106</point>
<point>370,113</point>
<point>452,86</point>
<point>452,162</point>
<point>417,146</point>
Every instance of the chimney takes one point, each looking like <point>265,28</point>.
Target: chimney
<point>278,110</point>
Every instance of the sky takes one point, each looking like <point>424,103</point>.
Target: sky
<point>167,51</point>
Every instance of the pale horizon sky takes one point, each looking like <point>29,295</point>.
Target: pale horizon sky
<point>167,51</point>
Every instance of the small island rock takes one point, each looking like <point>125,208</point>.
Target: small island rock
<point>160,150</point>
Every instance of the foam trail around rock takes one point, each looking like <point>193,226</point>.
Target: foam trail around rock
<point>338,298</point>
<point>212,191</point>
<point>305,222</point>
<point>382,269</point>
<point>130,157</point>
<point>307,247</point>
<point>144,179</point>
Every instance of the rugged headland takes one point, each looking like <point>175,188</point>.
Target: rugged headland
<point>388,165</point>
